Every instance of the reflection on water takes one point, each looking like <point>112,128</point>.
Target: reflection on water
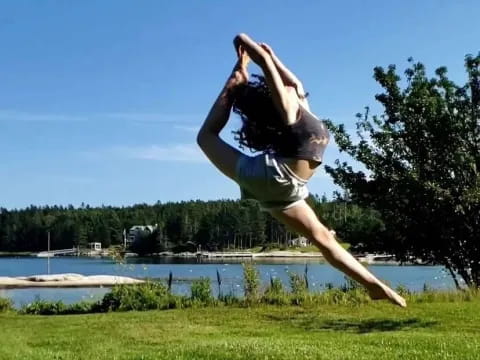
<point>186,269</point>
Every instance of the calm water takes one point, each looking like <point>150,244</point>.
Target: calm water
<point>184,270</point>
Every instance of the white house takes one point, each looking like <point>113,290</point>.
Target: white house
<point>300,242</point>
<point>95,246</point>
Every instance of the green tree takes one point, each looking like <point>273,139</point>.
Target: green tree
<point>423,160</point>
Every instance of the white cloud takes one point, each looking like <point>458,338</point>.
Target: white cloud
<point>192,129</point>
<point>145,118</point>
<point>6,115</point>
<point>151,118</point>
<point>173,152</point>
<point>71,179</point>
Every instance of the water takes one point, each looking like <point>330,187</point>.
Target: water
<point>184,270</point>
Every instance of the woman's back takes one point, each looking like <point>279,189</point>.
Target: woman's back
<point>303,143</point>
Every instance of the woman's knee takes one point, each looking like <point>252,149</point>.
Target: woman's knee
<point>324,238</point>
<point>221,154</point>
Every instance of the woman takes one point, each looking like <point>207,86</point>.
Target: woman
<point>277,120</point>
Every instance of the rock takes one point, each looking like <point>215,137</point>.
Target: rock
<point>66,280</point>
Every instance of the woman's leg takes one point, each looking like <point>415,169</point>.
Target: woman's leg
<point>303,220</point>
<point>222,155</point>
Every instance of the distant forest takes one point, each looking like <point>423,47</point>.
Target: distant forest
<point>211,225</point>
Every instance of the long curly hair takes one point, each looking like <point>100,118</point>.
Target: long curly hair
<point>262,128</point>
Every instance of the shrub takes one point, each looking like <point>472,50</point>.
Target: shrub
<point>350,284</point>
<point>431,295</point>
<point>403,291</point>
<point>5,305</point>
<point>43,307</point>
<point>229,299</point>
<point>147,296</point>
<point>427,288</point>
<point>328,286</point>
<point>336,296</point>
<point>83,307</point>
<point>275,293</point>
<point>353,294</point>
<point>201,291</point>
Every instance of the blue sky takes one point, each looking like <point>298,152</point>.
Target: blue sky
<point>100,100</point>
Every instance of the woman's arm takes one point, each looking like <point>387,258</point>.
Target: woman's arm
<point>287,108</point>
<point>289,78</point>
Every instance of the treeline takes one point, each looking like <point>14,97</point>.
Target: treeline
<point>183,226</point>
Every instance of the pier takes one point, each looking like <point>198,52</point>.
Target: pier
<point>52,253</point>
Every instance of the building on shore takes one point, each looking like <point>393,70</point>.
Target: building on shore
<point>298,242</point>
<point>94,249</point>
<point>135,231</point>
<point>95,246</point>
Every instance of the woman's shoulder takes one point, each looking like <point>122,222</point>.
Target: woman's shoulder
<point>304,115</point>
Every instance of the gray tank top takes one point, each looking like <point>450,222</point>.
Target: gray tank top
<point>306,139</point>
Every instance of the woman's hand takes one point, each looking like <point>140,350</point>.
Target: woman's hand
<point>240,73</point>
<point>244,58</point>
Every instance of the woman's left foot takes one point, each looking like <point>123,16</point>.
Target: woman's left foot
<point>383,292</point>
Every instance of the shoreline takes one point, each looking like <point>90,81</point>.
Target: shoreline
<point>369,258</point>
<point>284,254</point>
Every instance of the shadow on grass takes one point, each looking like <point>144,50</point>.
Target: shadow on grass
<point>356,326</point>
<point>366,326</point>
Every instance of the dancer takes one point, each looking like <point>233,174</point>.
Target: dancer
<point>278,122</point>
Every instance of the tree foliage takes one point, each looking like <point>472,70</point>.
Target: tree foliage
<point>183,226</point>
<point>423,160</point>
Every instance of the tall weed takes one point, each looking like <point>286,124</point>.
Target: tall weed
<point>251,278</point>
<point>5,305</point>
<point>299,288</point>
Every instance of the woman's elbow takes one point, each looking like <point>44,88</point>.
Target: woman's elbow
<point>201,138</point>
<point>204,136</point>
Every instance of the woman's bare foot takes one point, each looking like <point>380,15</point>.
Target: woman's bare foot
<point>381,291</point>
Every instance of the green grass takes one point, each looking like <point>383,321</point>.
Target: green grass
<point>425,330</point>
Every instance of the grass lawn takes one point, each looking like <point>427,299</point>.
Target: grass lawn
<point>438,330</point>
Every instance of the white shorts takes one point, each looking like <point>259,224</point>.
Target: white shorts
<point>269,181</point>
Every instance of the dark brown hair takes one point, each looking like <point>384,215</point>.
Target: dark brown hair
<point>262,128</point>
